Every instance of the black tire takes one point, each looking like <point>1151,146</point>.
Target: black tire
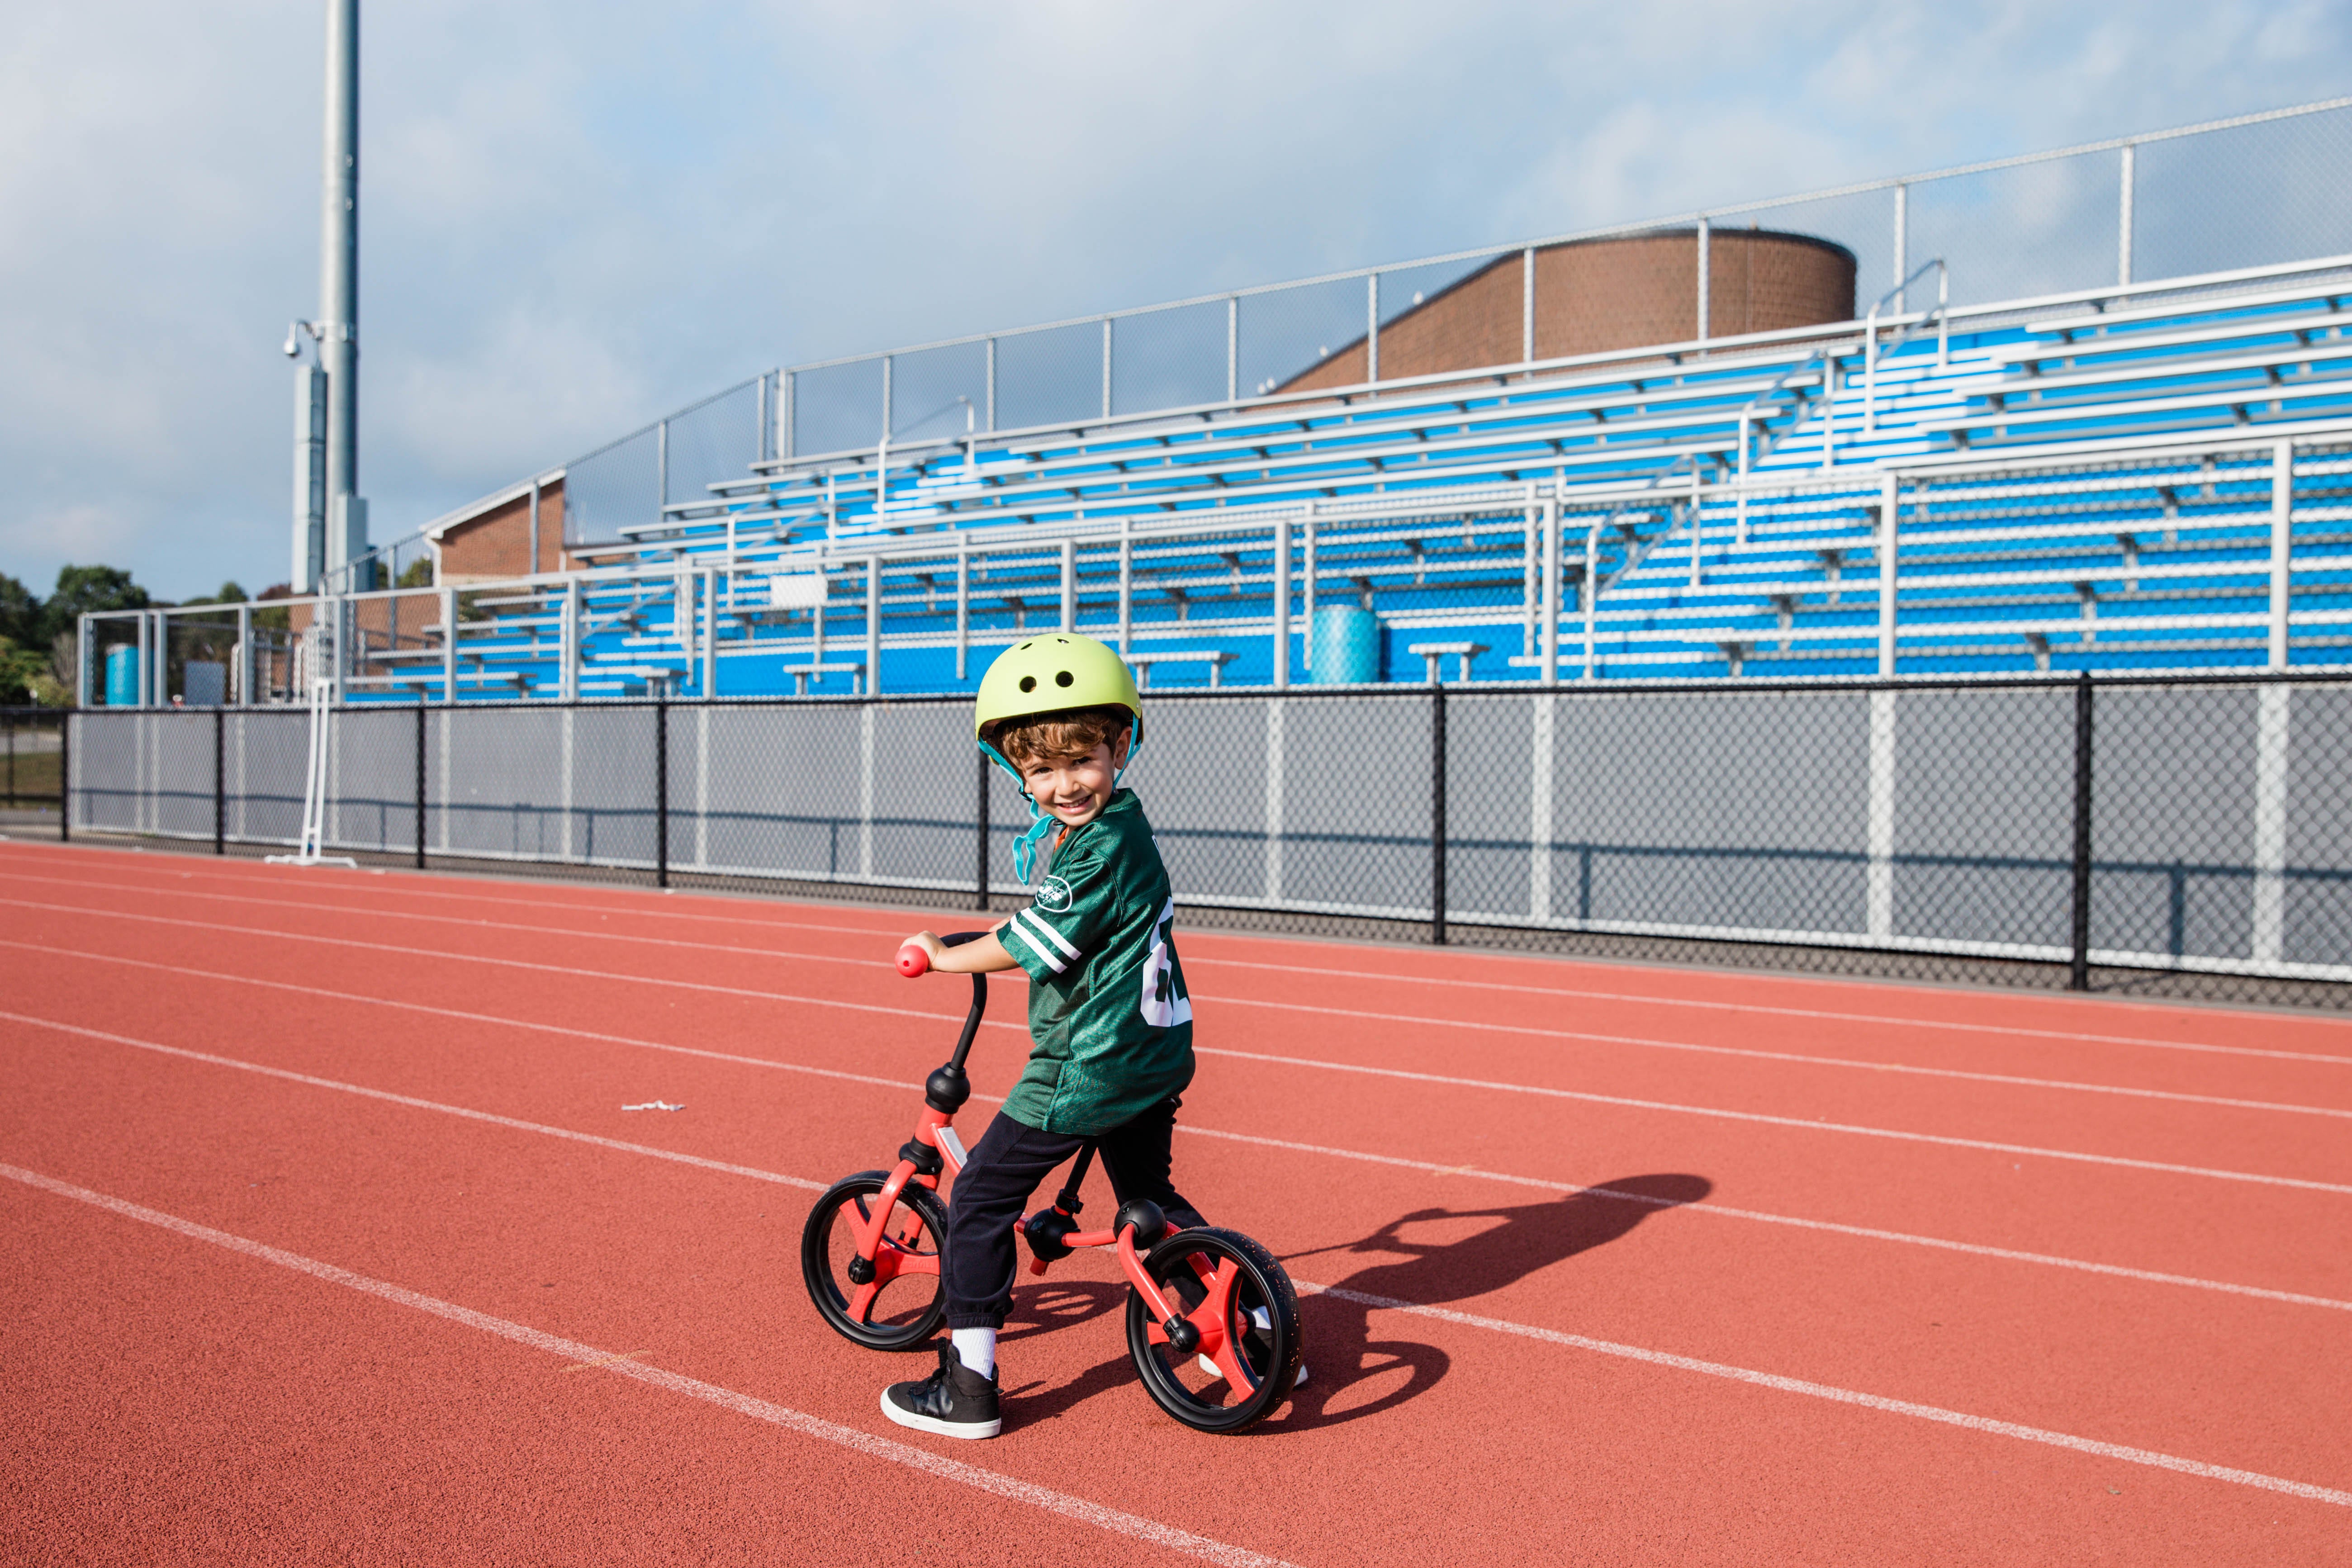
<point>906,1313</point>
<point>1268,1353</point>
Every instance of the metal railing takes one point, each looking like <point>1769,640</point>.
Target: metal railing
<point>2237,193</point>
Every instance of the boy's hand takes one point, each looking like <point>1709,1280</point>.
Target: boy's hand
<point>933,948</point>
<point>985,956</point>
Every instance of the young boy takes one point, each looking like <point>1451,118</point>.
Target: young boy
<point>1108,1012</point>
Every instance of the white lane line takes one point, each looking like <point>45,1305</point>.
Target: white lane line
<point>2015,1031</point>
<point>1984,1424</point>
<point>1585,1097</point>
<point>588,1355</point>
<point>1525,1031</point>
<point>412,1102</point>
<point>1566,1188</point>
<point>1133,1526</point>
<point>1806,1123</point>
<point>1724,1211</point>
<point>1298,970</point>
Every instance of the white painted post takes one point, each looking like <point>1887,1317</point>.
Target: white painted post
<point>1069,585</point>
<point>1372,326</point>
<point>1232,347</point>
<point>244,668</point>
<point>1528,305</point>
<point>1126,586</point>
<point>1902,243</point>
<point>1549,673</point>
<point>1705,234</point>
<point>567,684</point>
<point>963,608</point>
<point>866,792</point>
<point>1592,592</point>
<point>448,727</point>
<point>681,617</point>
<point>1274,763</point>
<point>1743,417</point>
<point>1881,911</point>
<point>873,626</point>
<point>709,635</point>
<point>448,648</point>
<point>2271,737</point>
<point>1306,595</point>
<point>1890,501</point>
<point>563,739</point>
<point>887,413</point>
<point>2124,224</point>
<point>1540,813</point>
<point>1530,587</point>
<point>1282,604</point>
<point>2282,596</point>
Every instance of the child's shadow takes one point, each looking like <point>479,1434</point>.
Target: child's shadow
<point>1460,1254</point>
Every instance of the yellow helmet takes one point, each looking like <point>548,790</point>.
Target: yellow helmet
<point>1050,673</point>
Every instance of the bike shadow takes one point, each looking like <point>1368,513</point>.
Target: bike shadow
<point>1460,1255</point>
<point>1457,1255</point>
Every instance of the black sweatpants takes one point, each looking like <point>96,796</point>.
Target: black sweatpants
<point>1008,1162</point>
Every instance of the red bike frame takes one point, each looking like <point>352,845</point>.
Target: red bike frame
<point>936,1151</point>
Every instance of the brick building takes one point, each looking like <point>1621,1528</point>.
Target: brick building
<point>498,537</point>
<point>1595,295</point>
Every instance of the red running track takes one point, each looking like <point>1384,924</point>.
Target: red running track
<point>326,1236</point>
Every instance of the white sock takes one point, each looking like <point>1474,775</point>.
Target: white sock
<point>976,1348</point>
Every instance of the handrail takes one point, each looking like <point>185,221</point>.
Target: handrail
<point>1870,336</point>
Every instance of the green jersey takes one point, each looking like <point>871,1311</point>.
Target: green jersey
<point>1109,1014</point>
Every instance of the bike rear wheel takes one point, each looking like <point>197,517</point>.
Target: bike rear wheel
<point>1238,1297</point>
<point>900,1307</point>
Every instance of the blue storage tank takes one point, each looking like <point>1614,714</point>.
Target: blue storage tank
<point>1346,646</point>
<point>122,676</point>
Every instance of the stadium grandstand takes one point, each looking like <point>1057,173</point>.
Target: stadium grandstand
<point>1565,460</point>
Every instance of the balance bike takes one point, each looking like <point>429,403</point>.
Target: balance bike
<point>1211,1318</point>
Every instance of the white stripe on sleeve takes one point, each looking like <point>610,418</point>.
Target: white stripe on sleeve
<point>1057,938</point>
<point>1051,959</point>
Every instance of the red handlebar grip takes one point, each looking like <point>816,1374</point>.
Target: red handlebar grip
<point>913,962</point>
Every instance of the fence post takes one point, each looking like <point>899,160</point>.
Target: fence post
<point>220,782</point>
<point>420,780</point>
<point>1437,816</point>
<point>65,778</point>
<point>10,728</point>
<point>2080,980</point>
<point>979,877</point>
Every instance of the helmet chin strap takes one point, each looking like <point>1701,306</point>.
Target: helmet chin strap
<point>1040,821</point>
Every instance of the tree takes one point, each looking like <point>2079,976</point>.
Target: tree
<point>20,611</point>
<point>419,573</point>
<point>83,590</point>
<point>19,668</point>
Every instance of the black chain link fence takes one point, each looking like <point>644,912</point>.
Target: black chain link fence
<point>2173,837</point>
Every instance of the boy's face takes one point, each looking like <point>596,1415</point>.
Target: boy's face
<point>1075,789</point>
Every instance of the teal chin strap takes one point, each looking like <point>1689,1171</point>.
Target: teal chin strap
<point>1040,822</point>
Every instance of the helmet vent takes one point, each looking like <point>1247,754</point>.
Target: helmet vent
<point>1062,677</point>
<point>1028,683</point>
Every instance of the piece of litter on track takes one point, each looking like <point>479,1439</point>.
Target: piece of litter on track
<point>653,1105</point>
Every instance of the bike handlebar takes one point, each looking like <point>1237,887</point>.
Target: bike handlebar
<point>914,962</point>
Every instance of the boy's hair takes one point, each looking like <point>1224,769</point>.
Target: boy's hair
<point>1051,737</point>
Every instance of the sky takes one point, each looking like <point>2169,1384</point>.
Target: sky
<point>578,217</point>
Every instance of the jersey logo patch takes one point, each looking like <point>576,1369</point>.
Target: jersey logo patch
<point>1053,894</point>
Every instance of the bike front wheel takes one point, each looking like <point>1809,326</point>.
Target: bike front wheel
<point>899,1304</point>
<point>1238,1297</point>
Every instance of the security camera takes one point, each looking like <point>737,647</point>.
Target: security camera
<point>292,348</point>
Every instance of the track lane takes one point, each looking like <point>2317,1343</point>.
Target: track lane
<point>1756,1315</point>
<point>1770,1168</point>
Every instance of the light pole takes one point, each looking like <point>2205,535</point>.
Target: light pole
<point>309,559</point>
<point>337,328</point>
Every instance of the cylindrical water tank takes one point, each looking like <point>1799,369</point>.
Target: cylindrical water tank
<point>1346,646</point>
<point>122,676</point>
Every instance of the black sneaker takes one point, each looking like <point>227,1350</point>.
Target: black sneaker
<point>954,1402</point>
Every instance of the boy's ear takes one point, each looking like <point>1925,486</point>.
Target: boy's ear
<point>1119,748</point>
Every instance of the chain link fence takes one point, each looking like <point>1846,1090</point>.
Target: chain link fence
<point>2174,836</point>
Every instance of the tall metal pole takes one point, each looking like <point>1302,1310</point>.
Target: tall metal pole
<point>338,289</point>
